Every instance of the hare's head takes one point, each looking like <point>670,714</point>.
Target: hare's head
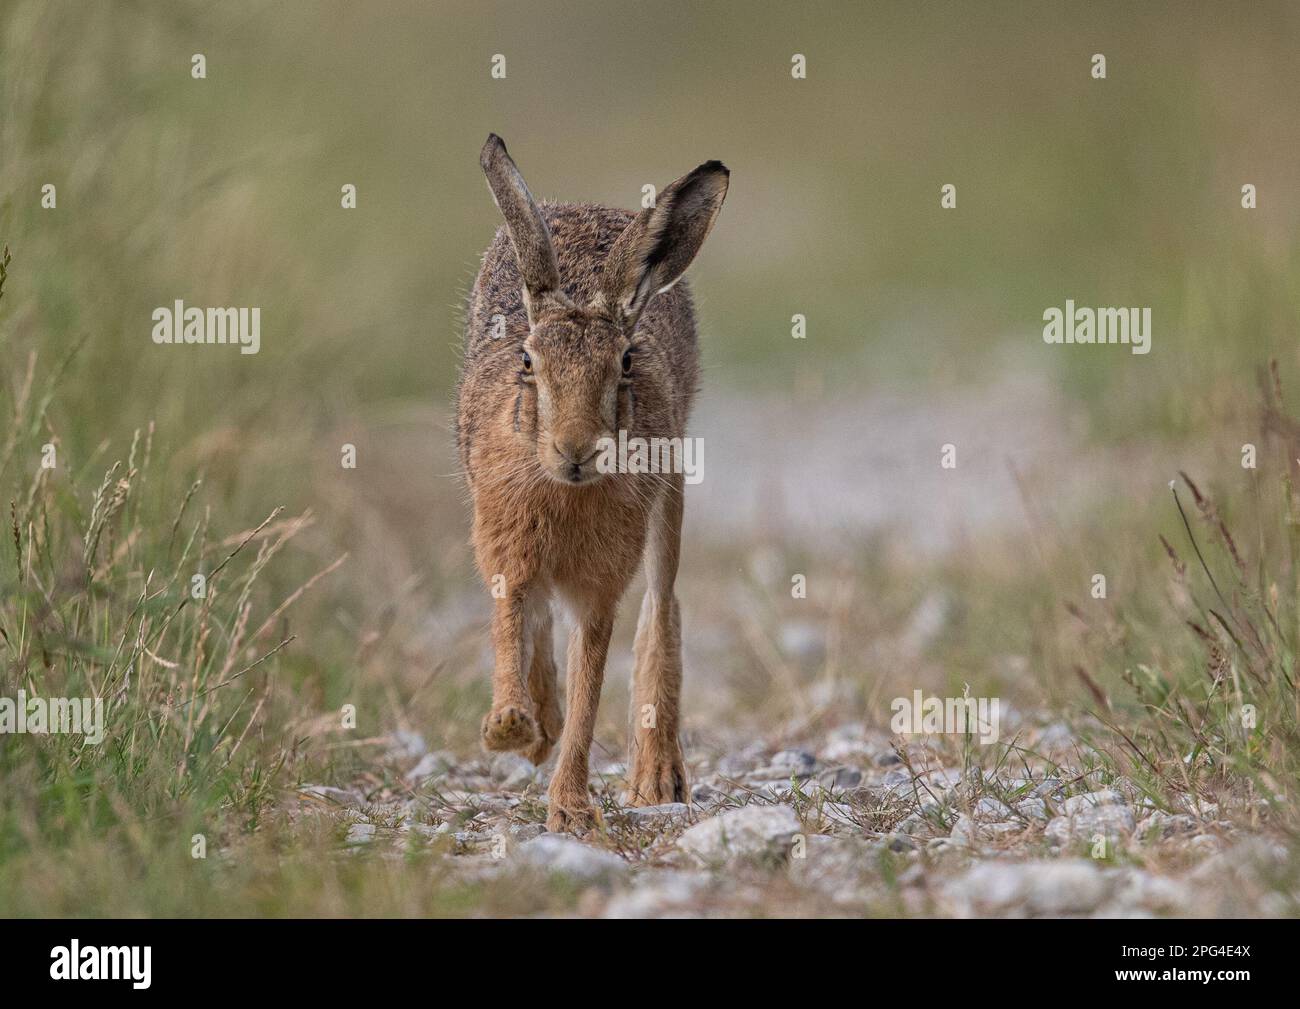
<point>581,361</point>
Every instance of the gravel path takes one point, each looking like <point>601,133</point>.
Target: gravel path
<point>849,826</point>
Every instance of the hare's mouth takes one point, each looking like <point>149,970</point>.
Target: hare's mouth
<point>575,474</point>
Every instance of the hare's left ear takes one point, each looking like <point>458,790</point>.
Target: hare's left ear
<point>656,248</point>
<point>528,232</point>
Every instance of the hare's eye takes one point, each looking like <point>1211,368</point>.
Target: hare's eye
<point>627,362</point>
<point>528,364</point>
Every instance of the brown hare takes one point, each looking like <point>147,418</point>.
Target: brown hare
<point>576,332</point>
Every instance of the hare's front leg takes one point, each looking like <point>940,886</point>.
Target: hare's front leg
<point>510,724</point>
<point>658,773</point>
<point>570,806</point>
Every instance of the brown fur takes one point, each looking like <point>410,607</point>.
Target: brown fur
<point>578,286</point>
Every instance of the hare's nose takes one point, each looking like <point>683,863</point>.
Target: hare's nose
<point>576,452</point>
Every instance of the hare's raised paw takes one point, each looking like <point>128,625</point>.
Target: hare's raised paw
<point>508,728</point>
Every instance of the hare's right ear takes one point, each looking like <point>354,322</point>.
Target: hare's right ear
<point>654,250</point>
<point>528,232</point>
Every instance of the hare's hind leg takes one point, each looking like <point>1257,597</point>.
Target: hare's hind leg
<point>542,685</point>
<point>510,725</point>
<point>658,773</point>
<point>570,805</point>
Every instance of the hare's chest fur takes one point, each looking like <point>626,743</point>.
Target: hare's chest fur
<point>581,539</point>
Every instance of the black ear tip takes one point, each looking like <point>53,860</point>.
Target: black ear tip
<point>490,147</point>
<point>715,167</point>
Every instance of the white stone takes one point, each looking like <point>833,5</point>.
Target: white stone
<point>567,856</point>
<point>750,833</point>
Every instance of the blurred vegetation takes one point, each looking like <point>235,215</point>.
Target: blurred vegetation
<point>225,191</point>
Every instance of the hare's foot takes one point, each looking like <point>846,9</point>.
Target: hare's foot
<point>570,808</point>
<point>508,728</point>
<point>574,816</point>
<point>656,777</point>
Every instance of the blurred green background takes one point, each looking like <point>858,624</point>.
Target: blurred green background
<point>226,190</point>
